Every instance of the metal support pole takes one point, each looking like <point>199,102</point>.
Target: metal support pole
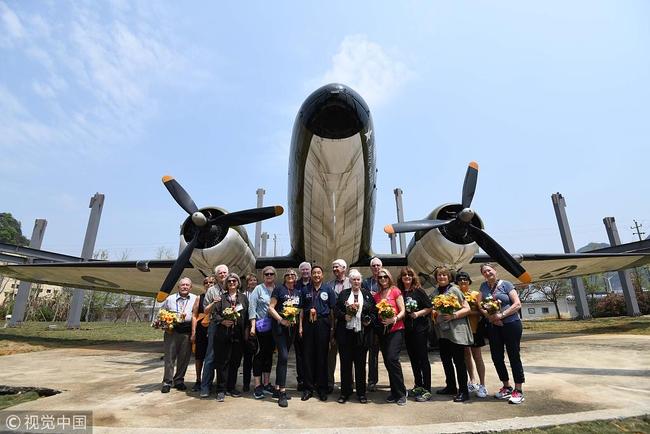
<point>631,303</point>
<point>400,218</point>
<point>265,236</point>
<point>275,244</point>
<point>258,225</point>
<point>567,241</point>
<point>76,303</point>
<point>22,296</point>
<point>393,243</point>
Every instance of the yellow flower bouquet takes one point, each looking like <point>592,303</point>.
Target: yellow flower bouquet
<point>166,320</point>
<point>491,305</point>
<point>446,303</point>
<point>472,299</point>
<point>385,310</point>
<point>290,311</point>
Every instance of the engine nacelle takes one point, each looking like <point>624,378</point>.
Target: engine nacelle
<point>232,248</point>
<point>449,245</point>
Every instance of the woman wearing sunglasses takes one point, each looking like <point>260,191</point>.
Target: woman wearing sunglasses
<point>284,330</point>
<point>454,335</point>
<point>258,309</point>
<point>251,283</point>
<point>232,319</point>
<point>392,335</point>
<point>200,333</point>
<point>416,331</point>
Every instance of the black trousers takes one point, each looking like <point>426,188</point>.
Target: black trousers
<point>353,351</point>
<point>298,349</point>
<point>508,335</point>
<point>248,366</point>
<point>373,361</point>
<point>316,338</point>
<point>452,355</point>
<point>228,350</point>
<point>283,337</point>
<point>263,360</point>
<point>390,345</point>
<point>417,348</point>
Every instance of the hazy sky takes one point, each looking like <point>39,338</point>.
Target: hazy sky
<point>108,97</point>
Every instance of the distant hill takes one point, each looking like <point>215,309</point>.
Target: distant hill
<point>592,246</point>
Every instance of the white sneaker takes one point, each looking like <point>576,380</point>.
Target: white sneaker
<point>482,391</point>
<point>516,397</point>
<point>472,388</point>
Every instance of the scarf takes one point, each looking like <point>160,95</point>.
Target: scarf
<point>355,322</point>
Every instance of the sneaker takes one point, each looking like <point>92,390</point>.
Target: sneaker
<point>282,400</point>
<point>276,394</point>
<point>221,396</point>
<point>269,389</point>
<point>402,401</point>
<point>416,391</point>
<point>391,399</point>
<point>423,397</point>
<point>165,388</point>
<point>503,393</point>
<point>196,387</point>
<point>234,393</point>
<point>472,388</point>
<point>482,391</point>
<point>259,392</point>
<point>517,397</point>
<point>372,387</point>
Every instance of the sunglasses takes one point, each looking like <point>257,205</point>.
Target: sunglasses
<point>269,274</point>
<point>207,283</point>
<point>382,277</point>
<point>407,275</point>
<point>463,279</point>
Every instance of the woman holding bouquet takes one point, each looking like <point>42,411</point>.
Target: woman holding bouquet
<point>258,308</point>
<point>284,311</point>
<point>416,331</point>
<point>355,309</point>
<point>391,313</point>
<point>504,331</point>
<point>473,355</point>
<point>454,334</point>
<point>232,319</point>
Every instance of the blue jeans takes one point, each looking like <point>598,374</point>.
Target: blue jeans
<point>207,375</point>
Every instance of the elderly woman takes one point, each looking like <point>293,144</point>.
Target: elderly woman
<point>454,335</point>
<point>355,310</point>
<point>258,308</point>
<point>200,332</point>
<point>283,299</point>
<point>416,331</point>
<point>392,334</point>
<point>251,283</point>
<point>231,316</point>
<point>504,330</point>
<point>473,355</point>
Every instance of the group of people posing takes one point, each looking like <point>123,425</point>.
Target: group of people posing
<point>344,317</point>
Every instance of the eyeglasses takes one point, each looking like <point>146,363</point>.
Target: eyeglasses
<point>376,266</point>
<point>382,277</point>
<point>463,279</point>
<point>269,274</point>
<point>207,283</point>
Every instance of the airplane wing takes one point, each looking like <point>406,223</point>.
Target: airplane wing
<point>131,277</point>
<point>561,266</point>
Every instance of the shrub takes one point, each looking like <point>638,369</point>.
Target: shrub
<point>610,305</point>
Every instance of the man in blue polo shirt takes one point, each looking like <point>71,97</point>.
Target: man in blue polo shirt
<point>316,328</point>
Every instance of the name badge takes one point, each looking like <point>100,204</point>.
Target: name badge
<point>324,296</point>
<point>239,308</point>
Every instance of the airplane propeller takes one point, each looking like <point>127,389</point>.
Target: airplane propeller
<point>462,224</point>
<point>205,227</point>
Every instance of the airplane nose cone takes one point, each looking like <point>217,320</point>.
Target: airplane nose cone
<point>335,111</point>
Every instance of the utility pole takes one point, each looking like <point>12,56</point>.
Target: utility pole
<point>258,225</point>
<point>631,303</point>
<point>264,237</point>
<point>275,244</point>
<point>637,227</point>
<point>400,218</point>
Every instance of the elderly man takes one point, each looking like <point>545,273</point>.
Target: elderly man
<point>212,298</point>
<point>304,270</point>
<point>177,344</point>
<point>372,285</point>
<point>339,283</point>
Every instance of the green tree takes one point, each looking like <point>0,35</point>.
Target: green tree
<point>10,231</point>
<point>553,290</point>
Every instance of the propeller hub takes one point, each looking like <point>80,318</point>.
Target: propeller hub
<point>199,219</point>
<point>466,215</point>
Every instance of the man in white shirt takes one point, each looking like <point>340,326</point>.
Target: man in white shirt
<point>340,282</point>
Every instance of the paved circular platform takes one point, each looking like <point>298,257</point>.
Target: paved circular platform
<point>568,379</point>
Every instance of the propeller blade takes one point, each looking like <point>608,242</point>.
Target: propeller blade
<point>414,226</point>
<point>248,216</point>
<point>180,195</point>
<point>176,270</point>
<point>499,254</point>
<point>469,185</point>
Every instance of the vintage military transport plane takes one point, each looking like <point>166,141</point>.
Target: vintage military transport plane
<point>331,201</point>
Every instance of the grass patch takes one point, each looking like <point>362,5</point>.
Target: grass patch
<point>9,400</point>
<point>628,425</point>
<point>639,325</point>
<point>36,336</point>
